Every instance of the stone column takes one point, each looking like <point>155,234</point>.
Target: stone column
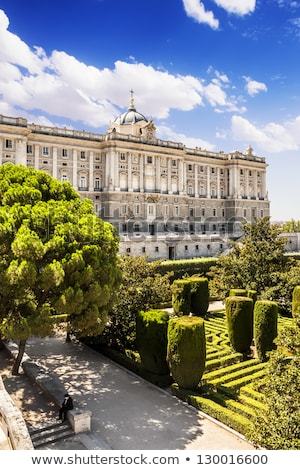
<point>21,151</point>
<point>129,173</point>
<point>196,190</point>
<point>75,176</point>
<point>218,183</point>
<point>36,156</point>
<point>208,192</point>
<point>247,183</point>
<point>54,162</point>
<point>169,163</point>
<point>141,162</point>
<point>91,171</point>
<point>181,177</point>
<point>157,174</point>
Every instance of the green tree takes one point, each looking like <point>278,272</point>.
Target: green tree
<point>58,260</point>
<point>278,427</point>
<point>142,288</point>
<point>255,262</point>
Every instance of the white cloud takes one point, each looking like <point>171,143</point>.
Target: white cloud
<point>253,87</point>
<point>238,7</point>
<point>272,137</point>
<point>196,10</point>
<point>165,132</point>
<point>59,85</point>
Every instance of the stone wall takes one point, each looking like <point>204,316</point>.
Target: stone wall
<point>13,430</point>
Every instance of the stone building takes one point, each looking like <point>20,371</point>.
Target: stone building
<point>165,200</point>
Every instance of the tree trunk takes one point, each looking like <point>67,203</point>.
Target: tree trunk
<point>18,360</point>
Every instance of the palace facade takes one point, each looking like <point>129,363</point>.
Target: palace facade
<point>165,200</point>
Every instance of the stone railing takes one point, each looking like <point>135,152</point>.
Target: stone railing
<point>14,434</point>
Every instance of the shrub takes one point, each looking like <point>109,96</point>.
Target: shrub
<point>181,297</point>
<point>252,294</point>
<point>151,340</point>
<point>187,267</point>
<point>239,318</point>
<point>186,352</point>
<point>199,295</point>
<point>238,292</point>
<point>296,302</point>
<point>265,327</point>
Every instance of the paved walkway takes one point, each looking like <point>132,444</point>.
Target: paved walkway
<point>127,412</point>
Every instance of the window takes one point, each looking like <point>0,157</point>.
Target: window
<point>201,169</point>
<point>149,159</point>
<point>156,249</point>
<point>191,212</point>
<point>64,164</point>
<point>124,227</point>
<point>82,181</point>
<point>143,249</point>
<point>136,228</point>
<point>241,172</point>
<point>203,212</point>
<point>64,177</point>
<point>122,157</point>
<point>137,209</point>
<point>197,247</point>
<point>190,167</point>
<point>176,210</point>
<point>97,183</point>
<point>45,150</point>
<point>213,170</point>
<point>29,148</point>
<point>186,248</point>
<point>64,153</point>
<point>174,163</point>
<point>214,212</point>
<point>8,144</point>
<point>190,190</point>
<point>128,250</point>
<point>82,155</point>
<point>151,209</point>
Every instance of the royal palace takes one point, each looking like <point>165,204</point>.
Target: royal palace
<point>166,200</point>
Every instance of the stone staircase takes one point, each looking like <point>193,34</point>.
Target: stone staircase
<point>50,433</point>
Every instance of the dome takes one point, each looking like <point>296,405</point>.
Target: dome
<point>131,116</point>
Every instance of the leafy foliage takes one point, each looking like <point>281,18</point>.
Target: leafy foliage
<point>257,262</point>
<point>278,427</point>
<point>58,260</point>
<point>142,289</point>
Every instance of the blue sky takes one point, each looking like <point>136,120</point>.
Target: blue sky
<point>217,74</point>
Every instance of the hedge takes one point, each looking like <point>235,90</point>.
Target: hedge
<point>151,340</point>
<point>296,302</point>
<point>181,297</point>
<point>186,352</point>
<point>265,327</point>
<point>199,295</point>
<point>239,318</point>
<point>184,268</point>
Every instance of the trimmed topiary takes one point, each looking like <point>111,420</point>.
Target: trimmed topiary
<point>151,340</point>
<point>181,297</point>
<point>239,318</point>
<point>199,295</point>
<point>252,294</point>
<point>238,292</point>
<point>186,352</point>
<point>296,302</point>
<point>265,327</point>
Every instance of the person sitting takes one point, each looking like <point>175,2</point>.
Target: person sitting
<point>66,405</point>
